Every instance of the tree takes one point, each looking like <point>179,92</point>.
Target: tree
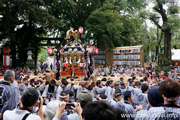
<point>43,55</point>
<point>170,23</point>
<point>110,28</point>
<point>22,22</point>
<point>34,20</point>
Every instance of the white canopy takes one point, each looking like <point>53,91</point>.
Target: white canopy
<point>175,55</point>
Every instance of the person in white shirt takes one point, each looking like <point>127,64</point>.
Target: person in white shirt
<point>29,99</point>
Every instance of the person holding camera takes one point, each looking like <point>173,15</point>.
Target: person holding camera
<point>57,110</point>
<point>29,99</point>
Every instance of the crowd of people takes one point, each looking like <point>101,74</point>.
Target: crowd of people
<point>114,93</point>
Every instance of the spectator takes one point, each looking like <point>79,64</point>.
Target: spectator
<point>61,109</point>
<point>8,96</point>
<point>52,106</point>
<point>170,90</point>
<point>84,98</point>
<point>29,99</point>
<point>101,111</point>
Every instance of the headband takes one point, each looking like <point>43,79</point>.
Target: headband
<point>116,84</point>
<point>110,82</point>
<point>170,99</point>
<point>128,95</point>
<point>64,96</point>
<point>36,85</point>
<point>117,94</point>
<point>103,99</point>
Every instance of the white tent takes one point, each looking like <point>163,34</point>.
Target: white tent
<point>175,55</point>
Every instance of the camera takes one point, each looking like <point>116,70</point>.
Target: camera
<point>68,105</point>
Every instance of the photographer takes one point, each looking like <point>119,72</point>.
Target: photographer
<point>58,109</point>
<point>29,99</point>
<point>61,108</point>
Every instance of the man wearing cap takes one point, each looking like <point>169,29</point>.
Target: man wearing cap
<point>110,90</point>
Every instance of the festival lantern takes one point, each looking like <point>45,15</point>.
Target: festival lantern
<point>96,51</point>
<point>50,51</point>
<point>64,65</point>
<point>91,50</point>
<point>81,65</point>
<point>80,30</point>
<point>61,51</point>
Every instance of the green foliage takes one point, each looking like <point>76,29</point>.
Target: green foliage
<point>43,55</point>
<point>172,23</point>
<point>105,24</point>
<point>173,9</point>
<point>130,6</point>
<point>109,23</point>
<point>143,14</point>
<point>110,29</point>
<point>35,21</point>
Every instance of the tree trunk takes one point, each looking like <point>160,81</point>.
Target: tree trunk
<point>167,45</point>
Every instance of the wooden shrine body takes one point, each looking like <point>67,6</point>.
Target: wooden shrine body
<point>72,59</point>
